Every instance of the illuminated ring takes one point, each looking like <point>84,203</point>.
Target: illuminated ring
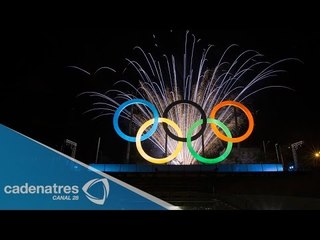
<point>131,102</point>
<point>159,160</point>
<point>203,159</point>
<point>203,117</point>
<point>244,109</point>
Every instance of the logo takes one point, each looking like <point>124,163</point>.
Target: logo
<point>215,123</point>
<point>89,185</point>
<point>55,191</point>
<point>41,189</point>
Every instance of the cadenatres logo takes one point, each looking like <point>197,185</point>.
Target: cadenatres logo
<point>90,184</point>
<point>91,189</point>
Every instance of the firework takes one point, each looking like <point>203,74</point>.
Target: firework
<point>161,82</point>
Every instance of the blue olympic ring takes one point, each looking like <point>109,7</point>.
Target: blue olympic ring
<point>131,102</point>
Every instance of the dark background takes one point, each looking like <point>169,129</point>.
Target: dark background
<point>38,93</point>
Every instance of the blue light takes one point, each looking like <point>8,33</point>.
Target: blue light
<point>190,168</point>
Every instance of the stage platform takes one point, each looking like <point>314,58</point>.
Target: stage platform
<point>222,168</point>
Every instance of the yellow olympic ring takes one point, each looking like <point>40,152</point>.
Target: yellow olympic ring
<point>158,160</point>
<point>244,109</point>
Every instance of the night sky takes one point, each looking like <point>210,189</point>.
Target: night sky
<point>38,93</point>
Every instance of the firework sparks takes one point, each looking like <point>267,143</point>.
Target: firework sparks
<point>162,83</point>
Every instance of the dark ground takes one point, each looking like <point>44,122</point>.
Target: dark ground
<point>244,191</point>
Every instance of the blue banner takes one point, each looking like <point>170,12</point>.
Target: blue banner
<point>36,177</point>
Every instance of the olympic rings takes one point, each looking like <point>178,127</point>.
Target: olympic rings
<point>162,160</point>
<point>189,138</point>
<point>131,102</point>
<point>209,160</point>
<point>244,109</point>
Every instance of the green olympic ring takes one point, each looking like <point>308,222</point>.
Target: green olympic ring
<point>203,159</point>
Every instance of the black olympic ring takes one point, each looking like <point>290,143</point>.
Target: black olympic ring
<point>203,117</point>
